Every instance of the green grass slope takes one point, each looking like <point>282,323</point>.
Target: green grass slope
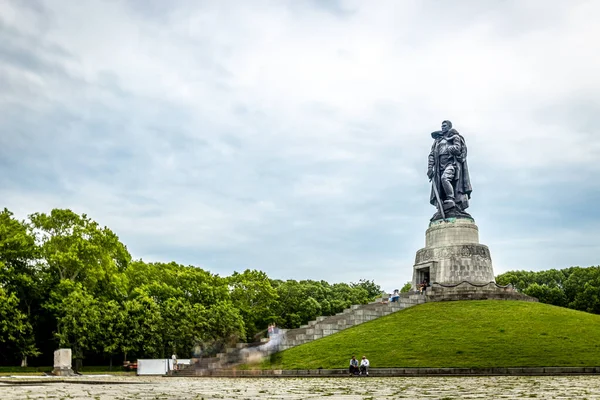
<point>474,334</point>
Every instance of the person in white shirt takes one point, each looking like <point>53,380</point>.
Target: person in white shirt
<point>364,366</point>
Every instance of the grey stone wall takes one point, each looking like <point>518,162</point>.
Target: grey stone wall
<point>470,291</point>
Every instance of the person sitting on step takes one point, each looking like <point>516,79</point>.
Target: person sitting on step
<point>353,366</point>
<point>395,296</point>
<point>364,366</point>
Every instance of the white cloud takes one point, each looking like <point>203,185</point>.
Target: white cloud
<point>293,137</point>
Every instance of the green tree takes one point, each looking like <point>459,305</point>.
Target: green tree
<point>17,252</point>
<point>184,326</point>
<point>140,332</point>
<point>224,323</point>
<point>519,279</point>
<point>285,310</point>
<point>574,287</point>
<point>373,290</point>
<point>15,329</point>
<point>19,275</point>
<point>309,309</point>
<point>77,315</point>
<point>582,289</point>
<point>252,294</point>
<point>522,279</point>
<point>547,294</point>
<point>300,302</point>
<point>406,288</point>
<point>76,248</point>
<point>113,328</point>
<point>344,296</point>
<point>166,280</point>
<point>588,299</point>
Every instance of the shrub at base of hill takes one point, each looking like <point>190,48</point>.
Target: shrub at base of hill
<point>467,334</point>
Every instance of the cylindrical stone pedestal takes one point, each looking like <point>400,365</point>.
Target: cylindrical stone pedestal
<point>453,254</point>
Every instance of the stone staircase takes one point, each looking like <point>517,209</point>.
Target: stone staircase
<point>321,327</point>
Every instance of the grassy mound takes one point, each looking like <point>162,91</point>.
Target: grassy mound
<point>473,334</point>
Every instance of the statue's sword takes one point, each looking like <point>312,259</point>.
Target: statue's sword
<point>437,197</point>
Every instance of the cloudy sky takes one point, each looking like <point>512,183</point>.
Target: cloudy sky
<point>292,136</point>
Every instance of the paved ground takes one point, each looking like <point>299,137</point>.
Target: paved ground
<point>443,388</point>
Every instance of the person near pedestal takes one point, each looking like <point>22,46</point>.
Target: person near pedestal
<point>353,369</point>
<point>364,366</point>
<point>270,330</point>
<point>395,296</point>
<point>174,358</point>
<point>424,285</point>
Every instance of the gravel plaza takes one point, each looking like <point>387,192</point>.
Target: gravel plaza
<point>113,387</point>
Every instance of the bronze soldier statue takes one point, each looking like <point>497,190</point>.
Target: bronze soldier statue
<point>448,171</point>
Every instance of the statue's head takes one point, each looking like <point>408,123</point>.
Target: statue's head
<point>446,126</point>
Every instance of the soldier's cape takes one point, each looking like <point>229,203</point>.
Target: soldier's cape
<point>462,187</point>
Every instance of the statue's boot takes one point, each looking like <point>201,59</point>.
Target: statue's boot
<point>449,191</point>
<point>448,204</point>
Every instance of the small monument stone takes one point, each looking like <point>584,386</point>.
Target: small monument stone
<point>62,362</point>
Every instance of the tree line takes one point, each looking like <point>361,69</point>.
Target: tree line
<point>66,281</point>
<point>575,287</point>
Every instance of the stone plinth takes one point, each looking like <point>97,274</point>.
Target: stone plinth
<point>470,291</point>
<point>451,232</point>
<point>453,254</point>
<point>62,362</point>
